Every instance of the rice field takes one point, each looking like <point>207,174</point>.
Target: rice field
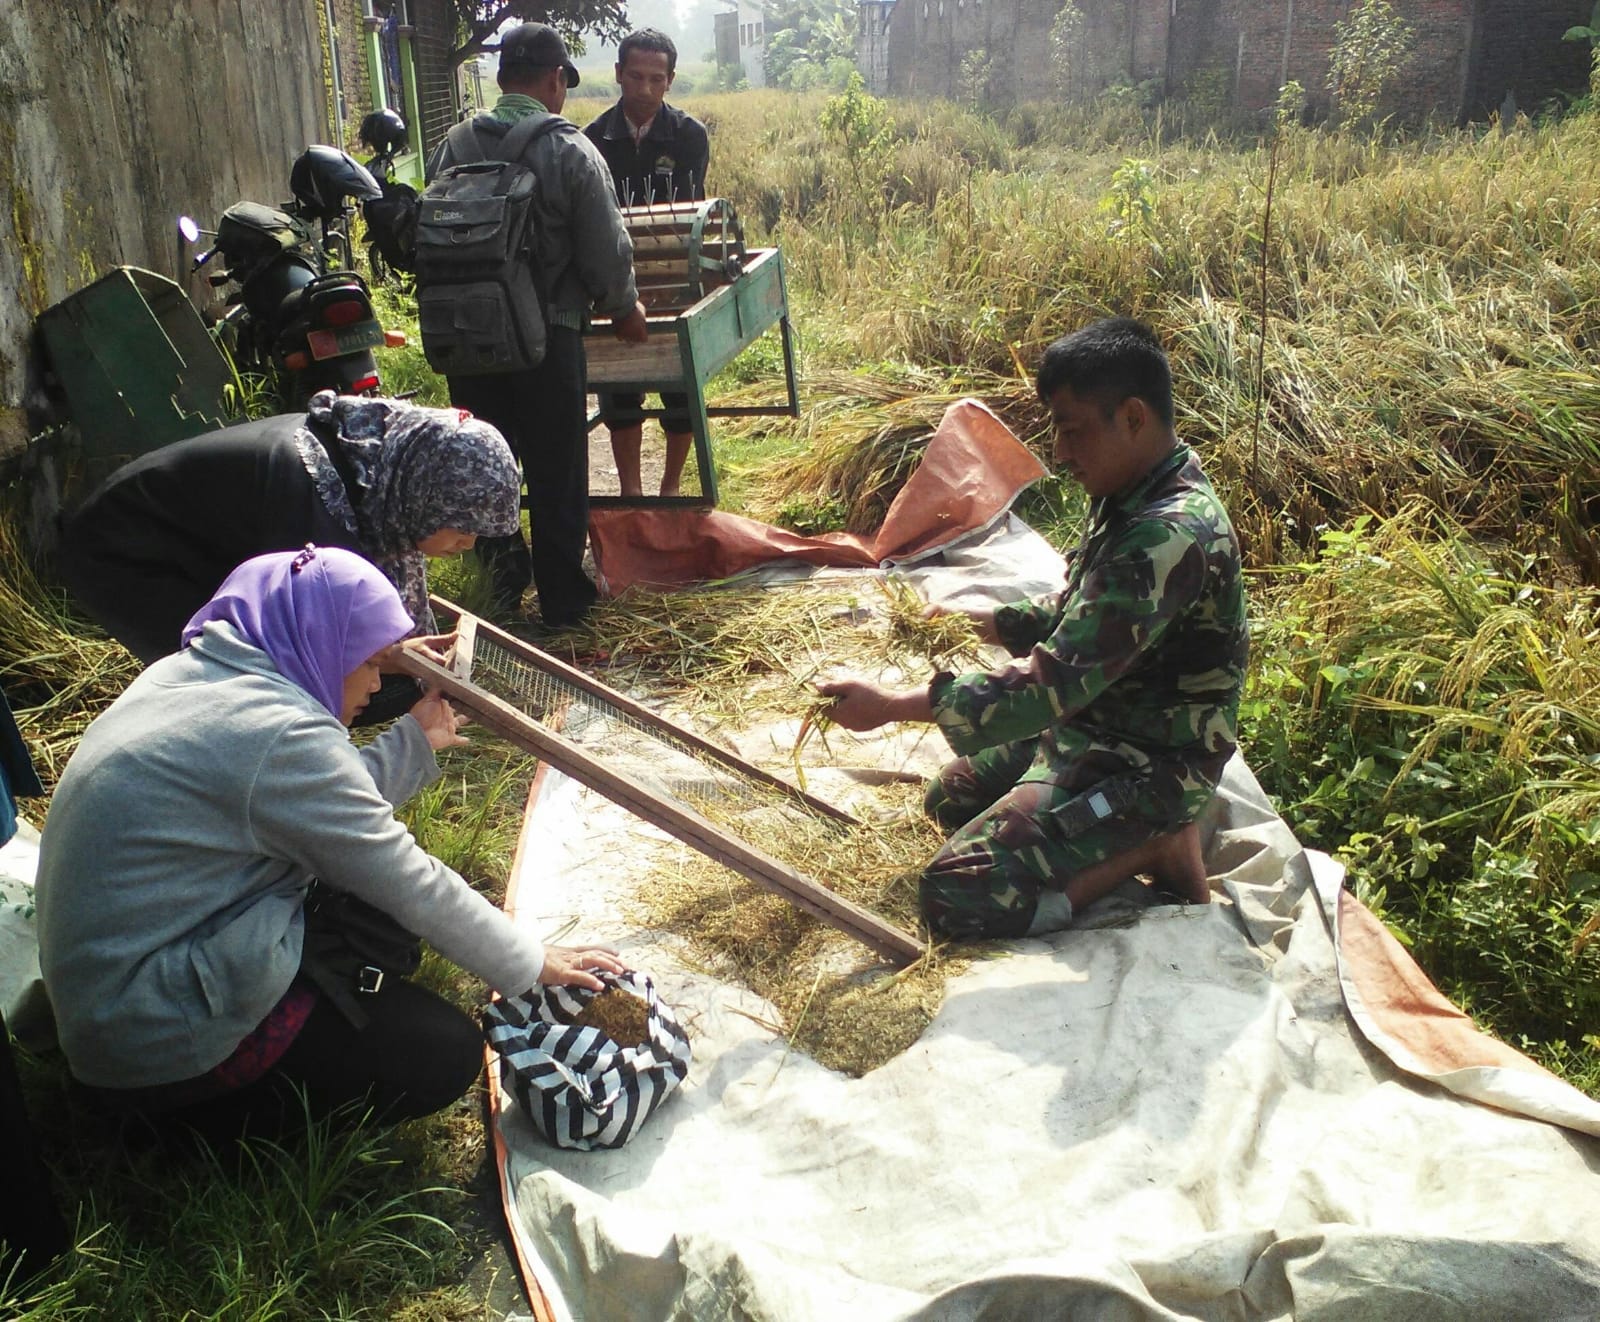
<point>1391,378</point>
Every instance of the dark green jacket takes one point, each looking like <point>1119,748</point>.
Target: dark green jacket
<point>1143,653</point>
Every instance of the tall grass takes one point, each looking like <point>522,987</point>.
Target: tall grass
<point>1431,305</point>
<point>1424,707</point>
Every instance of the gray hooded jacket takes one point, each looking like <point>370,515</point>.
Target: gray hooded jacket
<point>181,840</point>
<point>583,245</point>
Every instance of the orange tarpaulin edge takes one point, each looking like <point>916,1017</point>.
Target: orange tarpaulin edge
<point>1397,1008</point>
<point>973,469</point>
<point>499,1102</point>
<point>1408,1007</point>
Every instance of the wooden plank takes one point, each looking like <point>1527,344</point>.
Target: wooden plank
<point>575,678</point>
<point>466,641</point>
<point>658,360</point>
<point>688,826</point>
<point>731,317</point>
<point>701,339</point>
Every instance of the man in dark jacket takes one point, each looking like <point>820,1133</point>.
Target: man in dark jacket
<point>658,155</point>
<point>587,263</point>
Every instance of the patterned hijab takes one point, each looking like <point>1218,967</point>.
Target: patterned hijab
<point>317,613</point>
<point>395,473</point>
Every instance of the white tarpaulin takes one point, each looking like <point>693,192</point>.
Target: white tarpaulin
<point>1177,1117</point>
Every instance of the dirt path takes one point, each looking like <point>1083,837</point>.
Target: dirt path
<point>603,471</point>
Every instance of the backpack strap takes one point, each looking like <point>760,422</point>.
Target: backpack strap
<point>465,149</point>
<point>522,134</point>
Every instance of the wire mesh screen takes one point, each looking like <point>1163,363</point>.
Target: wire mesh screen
<point>647,753</point>
<point>699,792</point>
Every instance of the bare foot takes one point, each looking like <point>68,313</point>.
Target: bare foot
<point>669,490</point>
<point>1178,867</point>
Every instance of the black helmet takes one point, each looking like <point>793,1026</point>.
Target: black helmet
<point>383,130</point>
<point>323,177</point>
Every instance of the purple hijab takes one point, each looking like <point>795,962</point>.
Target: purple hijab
<point>317,614</point>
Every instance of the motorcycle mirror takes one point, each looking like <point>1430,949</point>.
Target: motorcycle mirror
<point>188,229</point>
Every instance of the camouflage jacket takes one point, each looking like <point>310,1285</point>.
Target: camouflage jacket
<point>1142,655</point>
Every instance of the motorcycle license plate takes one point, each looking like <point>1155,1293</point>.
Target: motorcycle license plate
<point>346,339</point>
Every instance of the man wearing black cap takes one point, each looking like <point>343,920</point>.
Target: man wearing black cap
<point>587,262</point>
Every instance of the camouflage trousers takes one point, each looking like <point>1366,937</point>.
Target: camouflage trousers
<point>1015,838</point>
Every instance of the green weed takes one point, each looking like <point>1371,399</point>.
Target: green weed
<point>1424,709</point>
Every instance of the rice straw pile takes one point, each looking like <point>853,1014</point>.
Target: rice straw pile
<point>59,672</point>
<point>747,658</point>
<point>746,653</point>
<point>835,999</point>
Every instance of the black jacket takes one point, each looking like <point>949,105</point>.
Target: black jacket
<point>668,166</point>
<point>149,547</point>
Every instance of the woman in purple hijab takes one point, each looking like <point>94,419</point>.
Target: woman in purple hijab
<point>228,907</point>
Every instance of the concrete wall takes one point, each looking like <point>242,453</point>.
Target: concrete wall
<point>872,43</point>
<point>116,116</point>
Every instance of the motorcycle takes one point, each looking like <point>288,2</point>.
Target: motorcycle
<point>391,219</point>
<point>300,315</point>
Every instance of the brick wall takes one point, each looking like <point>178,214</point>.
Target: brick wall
<point>928,39</point>
<point>1517,48</point>
<point>1467,52</point>
<point>355,85</point>
<point>432,41</point>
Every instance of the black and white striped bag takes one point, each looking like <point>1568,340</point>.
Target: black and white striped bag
<point>580,1089</point>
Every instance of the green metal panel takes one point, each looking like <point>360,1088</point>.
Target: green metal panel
<point>711,334</point>
<point>136,364</point>
<point>413,101</point>
<point>383,96</point>
<point>721,326</point>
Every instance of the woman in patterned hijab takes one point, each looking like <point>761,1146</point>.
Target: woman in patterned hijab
<point>393,481</point>
<point>409,482</point>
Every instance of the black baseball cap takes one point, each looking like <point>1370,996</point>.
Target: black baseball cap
<point>536,45</point>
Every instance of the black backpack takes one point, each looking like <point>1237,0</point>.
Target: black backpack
<point>480,288</point>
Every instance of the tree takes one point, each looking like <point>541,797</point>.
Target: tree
<point>861,122</point>
<point>1068,63</point>
<point>1370,48</point>
<point>810,43</point>
<point>481,22</point>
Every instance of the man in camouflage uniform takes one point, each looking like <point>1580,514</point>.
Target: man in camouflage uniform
<point>1086,761</point>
